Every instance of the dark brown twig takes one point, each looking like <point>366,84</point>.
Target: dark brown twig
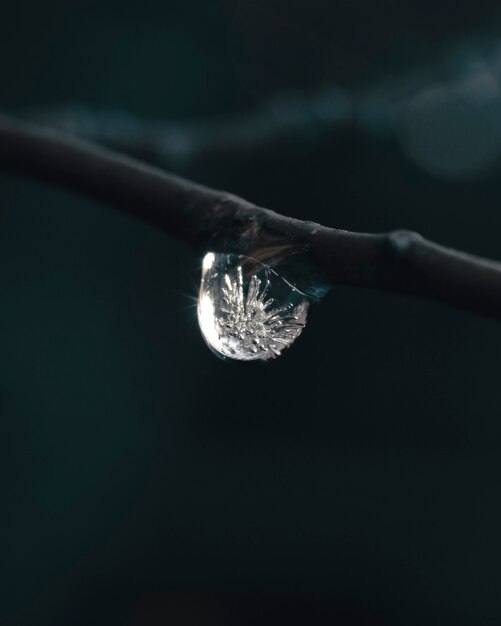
<point>400,262</point>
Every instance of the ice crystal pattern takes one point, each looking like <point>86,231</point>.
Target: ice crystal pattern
<point>245,316</point>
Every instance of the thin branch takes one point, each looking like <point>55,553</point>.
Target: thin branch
<point>284,122</point>
<point>406,112</point>
<point>400,262</point>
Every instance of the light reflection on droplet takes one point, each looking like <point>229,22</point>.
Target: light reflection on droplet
<point>246,310</point>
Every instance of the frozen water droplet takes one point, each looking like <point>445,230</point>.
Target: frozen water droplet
<point>246,310</point>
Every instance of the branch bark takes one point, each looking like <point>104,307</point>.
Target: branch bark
<point>399,262</point>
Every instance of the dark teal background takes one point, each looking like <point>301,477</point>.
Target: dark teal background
<point>356,480</point>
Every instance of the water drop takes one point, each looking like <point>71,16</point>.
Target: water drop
<point>247,310</point>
